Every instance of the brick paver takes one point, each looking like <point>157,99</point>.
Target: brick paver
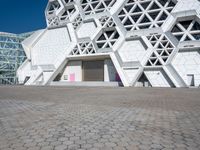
<point>78,118</point>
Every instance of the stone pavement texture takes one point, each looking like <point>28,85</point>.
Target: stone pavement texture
<point>89,118</point>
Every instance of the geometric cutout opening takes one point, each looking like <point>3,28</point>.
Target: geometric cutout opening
<point>138,15</point>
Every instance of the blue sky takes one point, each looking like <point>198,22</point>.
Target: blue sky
<point>19,16</point>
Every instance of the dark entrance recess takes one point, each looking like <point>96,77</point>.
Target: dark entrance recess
<point>93,70</point>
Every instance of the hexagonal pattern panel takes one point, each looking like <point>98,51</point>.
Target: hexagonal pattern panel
<point>52,7</point>
<point>187,30</point>
<point>67,13</point>
<point>107,22</point>
<point>96,6</point>
<point>163,49</point>
<point>83,48</point>
<point>77,21</point>
<point>107,39</point>
<point>138,14</point>
<point>51,13</point>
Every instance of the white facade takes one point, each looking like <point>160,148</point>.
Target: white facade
<point>137,42</point>
<point>72,72</point>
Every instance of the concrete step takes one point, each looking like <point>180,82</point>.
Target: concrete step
<point>90,84</point>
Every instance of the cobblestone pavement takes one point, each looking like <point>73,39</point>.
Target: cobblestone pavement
<point>77,118</point>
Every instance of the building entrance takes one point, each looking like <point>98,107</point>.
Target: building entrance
<point>93,70</point>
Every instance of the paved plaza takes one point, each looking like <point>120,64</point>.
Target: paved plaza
<point>103,118</point>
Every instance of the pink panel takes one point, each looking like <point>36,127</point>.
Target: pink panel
<point>72,77</point>
<point>117,77</point>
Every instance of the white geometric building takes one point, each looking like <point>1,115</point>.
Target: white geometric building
<point>136,42</point>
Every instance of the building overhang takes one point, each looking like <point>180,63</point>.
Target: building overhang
<point>90,57</point>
